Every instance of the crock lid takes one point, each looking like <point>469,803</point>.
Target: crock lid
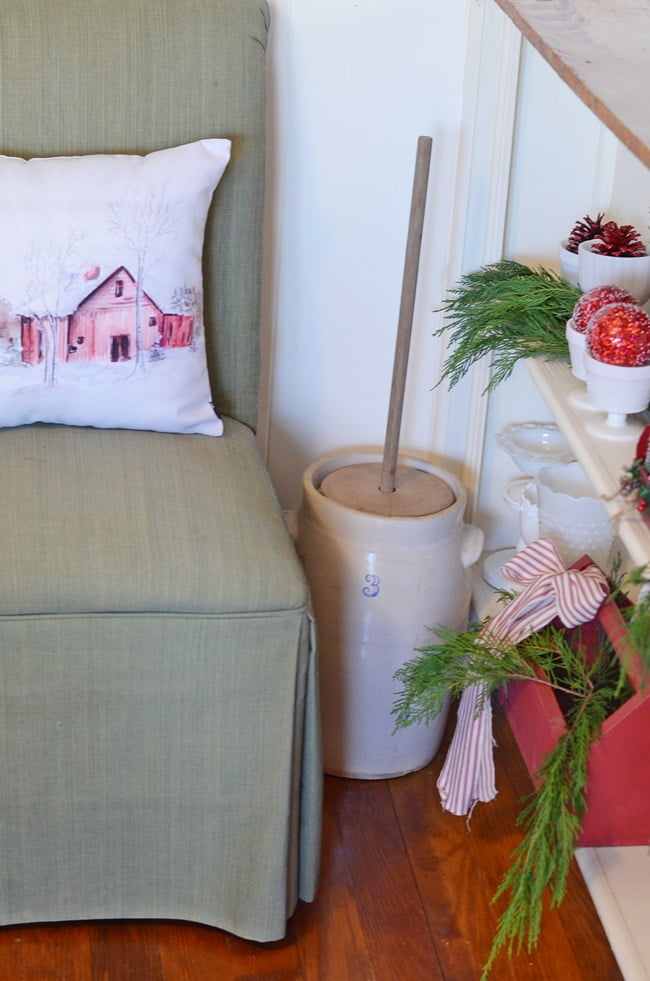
<point>417,493</point>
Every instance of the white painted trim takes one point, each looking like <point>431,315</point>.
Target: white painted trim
<point>605,168</point>
<point>488,121</point>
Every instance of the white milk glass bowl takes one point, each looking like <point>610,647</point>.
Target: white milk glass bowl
<point>533,445</point>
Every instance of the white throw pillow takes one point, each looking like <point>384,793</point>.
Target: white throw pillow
<point>101,289</point>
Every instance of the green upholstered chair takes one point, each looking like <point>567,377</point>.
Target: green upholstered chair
<point>159,743</point>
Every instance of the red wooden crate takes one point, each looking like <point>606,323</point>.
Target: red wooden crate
<point>618,786</point>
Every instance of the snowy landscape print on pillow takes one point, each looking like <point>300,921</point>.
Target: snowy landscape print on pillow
<point>101,289</point>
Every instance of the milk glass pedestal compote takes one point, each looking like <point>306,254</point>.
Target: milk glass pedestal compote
<point>620,391</point>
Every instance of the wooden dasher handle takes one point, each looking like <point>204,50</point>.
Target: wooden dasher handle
<point>405,322</point>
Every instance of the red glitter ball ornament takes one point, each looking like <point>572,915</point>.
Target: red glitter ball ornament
<point>591,301</point>
<point>619,333</point>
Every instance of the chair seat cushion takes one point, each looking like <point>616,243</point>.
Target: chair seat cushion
<point>159,724</point>
<point>110,521</point>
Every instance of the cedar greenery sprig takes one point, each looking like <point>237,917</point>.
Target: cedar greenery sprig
<point>458,661</point>
<point>553,814</point>
<point>509,311</point>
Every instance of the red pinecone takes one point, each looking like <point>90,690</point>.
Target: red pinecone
<point>621,240</point>
<point>585,231</point>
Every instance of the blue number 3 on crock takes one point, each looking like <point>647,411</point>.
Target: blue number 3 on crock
<point>372,589</point>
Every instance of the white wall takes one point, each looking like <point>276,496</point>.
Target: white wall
<point>353,84</point>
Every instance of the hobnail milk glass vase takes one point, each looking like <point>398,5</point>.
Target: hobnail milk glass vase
<point>572,516</point>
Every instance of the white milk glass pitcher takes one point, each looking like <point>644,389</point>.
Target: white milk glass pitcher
<point>572,516</point>
<point>521,494</point>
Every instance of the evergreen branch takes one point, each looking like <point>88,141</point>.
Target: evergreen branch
<point>553,814</point>
<point>451,666</point>
<point>509,311</point>
<point>553,819</point>
<point>461,660</point>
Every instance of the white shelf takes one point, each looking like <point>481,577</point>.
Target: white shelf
<point>604,460</point>
<point>601,49</point>
<point>618,880</point>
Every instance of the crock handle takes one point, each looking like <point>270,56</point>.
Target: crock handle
<point>471,545</point>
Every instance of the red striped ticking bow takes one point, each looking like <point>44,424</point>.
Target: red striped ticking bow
<point>550,590</point>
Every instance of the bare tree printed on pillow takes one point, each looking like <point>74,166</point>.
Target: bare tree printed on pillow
<point>51,271</point>
<point>142,221</point>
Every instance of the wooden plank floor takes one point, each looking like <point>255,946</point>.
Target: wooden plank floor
<point>405,895</point>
